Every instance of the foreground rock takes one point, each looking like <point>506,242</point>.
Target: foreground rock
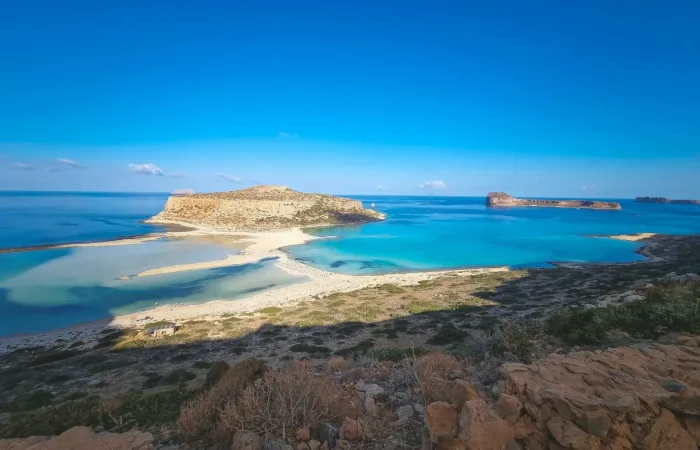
<point>644,397</point>
<point>82,438</point>
<point>502,199</point>
<point>263,208</point>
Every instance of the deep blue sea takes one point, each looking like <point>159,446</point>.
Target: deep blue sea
<point>46,289</point>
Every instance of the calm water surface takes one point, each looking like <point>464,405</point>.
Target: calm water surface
<point>447,232</point>
<point>47,289</point>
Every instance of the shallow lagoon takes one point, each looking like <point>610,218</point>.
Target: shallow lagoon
<point>48,289</point>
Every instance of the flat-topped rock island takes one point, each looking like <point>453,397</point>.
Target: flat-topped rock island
<point>501,199</point>
<point>263,208</point>
<point>666,201</point>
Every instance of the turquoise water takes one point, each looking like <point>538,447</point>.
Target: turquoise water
<point>47,289</point>
<point>448,232</point>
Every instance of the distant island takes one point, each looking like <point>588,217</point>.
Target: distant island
<point>501,199</point>
<point>666,200</point>
<point>262,208</point>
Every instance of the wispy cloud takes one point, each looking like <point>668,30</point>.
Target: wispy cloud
<point>380,187</point>
<point>146,169</point>
<point>227,177</point>
<point>21,166</point>
<point>588,187</point>
<point>285,135</point>
<point>70,163</point>
<point>178,175</point>
<point>438,184</point>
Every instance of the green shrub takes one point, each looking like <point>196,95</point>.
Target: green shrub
<point>31,401</point>
<point>659,313</point>
<point>50,357</point>
<point>110,365</point>
<point>134,408</point>
<point>178,376</point>
<point>307,348</point>
<point>447,334</point>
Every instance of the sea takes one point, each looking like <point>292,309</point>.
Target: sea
<point>46,289</point>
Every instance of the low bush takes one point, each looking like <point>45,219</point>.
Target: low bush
<point>661,311</point>
<point>134,409</point>
<point>286,400</point>
<point>434,372</point>
<point>199,416</point>
<point>52,356</point>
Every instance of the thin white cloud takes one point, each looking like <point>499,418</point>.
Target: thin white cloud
<point>21,166</point>
<point>70,163</point>
<point>147,169</point>
<point>227,177</point>
<point>285,135</point>
<point>178,175</point>
<point>380,187</point>
<point>182,191</point>
<point>588,187</point>
<point>438,184</point>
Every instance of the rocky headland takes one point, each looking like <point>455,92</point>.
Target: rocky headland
<point>262,208</point>
<point>666,201</point>
<point>501,199</point>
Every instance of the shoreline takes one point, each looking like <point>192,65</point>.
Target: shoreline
<point>180,230</point>
<point>319,283</point>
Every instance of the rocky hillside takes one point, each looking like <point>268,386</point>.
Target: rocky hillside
<point>263,208</point>
<point>502,199</point>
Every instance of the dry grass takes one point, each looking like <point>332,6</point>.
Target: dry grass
<point>434,372</point>
<point>337,364</point>
<point>200,416</point>
<point>282,401</point>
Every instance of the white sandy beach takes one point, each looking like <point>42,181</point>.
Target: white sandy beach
<point>262,245</point>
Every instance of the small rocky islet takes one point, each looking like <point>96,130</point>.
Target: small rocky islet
<point>262,208</point>
<point>501,199</point>
<point>666,201</point>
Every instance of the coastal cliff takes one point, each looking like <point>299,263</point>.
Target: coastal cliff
<point>261,208</point>
<point>501,199</point>
<point>666,200</point>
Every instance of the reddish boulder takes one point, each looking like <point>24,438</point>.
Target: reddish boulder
<point>480,428</point>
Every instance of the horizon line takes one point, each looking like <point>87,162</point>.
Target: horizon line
<point>335,194</point>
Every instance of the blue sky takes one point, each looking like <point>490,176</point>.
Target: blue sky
<point>544,97</point>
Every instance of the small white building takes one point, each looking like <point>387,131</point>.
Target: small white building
<point>168,329</point>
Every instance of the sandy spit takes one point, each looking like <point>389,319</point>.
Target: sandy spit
<point>633,237</point>
<point>261,245</point>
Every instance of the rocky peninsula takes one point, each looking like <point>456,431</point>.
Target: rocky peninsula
<point>666,201</point>
<point>262,208</point>
<point>501,199</point>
